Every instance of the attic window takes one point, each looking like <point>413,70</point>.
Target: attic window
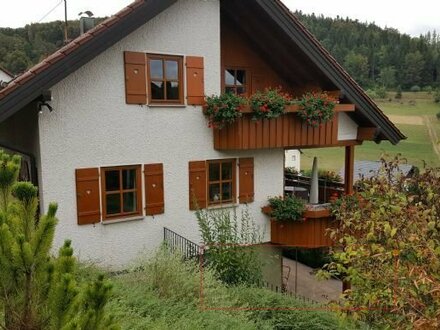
<point>235,81</point>
<point>165,79</point>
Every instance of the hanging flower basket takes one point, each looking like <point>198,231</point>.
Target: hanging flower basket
<point>316,108</point>
<point>269,104</point>
<point>223,110</point>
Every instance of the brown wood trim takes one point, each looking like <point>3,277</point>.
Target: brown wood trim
<point>180,80</point>
<point>137,190</point>
<point>366,133</point>
<point>349,169</point>
<point>314,214</point>
<point>295,108</point>
<point>233,180</point>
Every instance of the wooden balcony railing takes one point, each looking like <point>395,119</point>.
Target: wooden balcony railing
<point>286,131</point>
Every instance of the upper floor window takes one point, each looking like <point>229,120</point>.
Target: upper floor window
<point>221,181</point>
<point>235,81</point>
<point>121,187</point>
<point>165,79</point>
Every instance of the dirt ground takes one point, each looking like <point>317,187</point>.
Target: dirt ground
<point>407,120</point>
<point>308,286</point>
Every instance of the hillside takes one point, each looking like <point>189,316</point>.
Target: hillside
<point>372,55</point>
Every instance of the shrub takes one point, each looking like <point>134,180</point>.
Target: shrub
<point>428,89</point>
<point>316,108</point>
<point>269,104</point>
<point>38,291</point>
<point>392,249</point>
<point>437,96</point>
<point>398,93</point>
<point>138,305</point>
<point>223,110</point>
<point>438,115</point>
<point>381,92</point>
<point>287,208</point>
<point>415,89</point>
<point>372,93</point>
<point>228,240</point>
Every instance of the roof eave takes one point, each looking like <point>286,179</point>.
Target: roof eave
<point>299,34</point>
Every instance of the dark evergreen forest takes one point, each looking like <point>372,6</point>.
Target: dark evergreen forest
<point>374,56</point>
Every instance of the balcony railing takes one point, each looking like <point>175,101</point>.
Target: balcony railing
<point>286,131</point>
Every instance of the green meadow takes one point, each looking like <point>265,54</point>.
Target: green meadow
<point>410,114</point>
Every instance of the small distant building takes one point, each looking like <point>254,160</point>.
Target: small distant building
<point>366,169</point>
<point>5,76</point>
<point>293,159</point>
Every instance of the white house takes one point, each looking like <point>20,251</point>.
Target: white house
<point>114,120</point>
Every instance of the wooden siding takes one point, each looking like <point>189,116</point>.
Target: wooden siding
<point>311,233</point>
<point>287,131</point>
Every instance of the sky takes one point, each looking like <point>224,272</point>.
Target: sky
<point>408,17</point>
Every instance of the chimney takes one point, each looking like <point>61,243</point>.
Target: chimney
<point>87,22</point>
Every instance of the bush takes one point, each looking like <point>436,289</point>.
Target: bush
<point>437,96</point>
<point>287,208</point>
<point>398,95</point>
<point>381,92</point>
<point>372,93</point>
<point>415,89</point>
<point>397,223</point>
<point>224,235</point>
<point>314,258</point>
<point>138,305</point>
<point>427,89</point>
<point>438,115</point>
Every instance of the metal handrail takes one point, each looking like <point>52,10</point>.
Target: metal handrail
<point>180,244</point>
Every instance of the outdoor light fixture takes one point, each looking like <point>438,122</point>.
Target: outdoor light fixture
<point>42,100</point>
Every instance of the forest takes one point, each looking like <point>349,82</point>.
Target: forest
<point>374,56</point>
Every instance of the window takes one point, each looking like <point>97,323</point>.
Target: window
<point>221,181</point>
<point>165,79</point>
<point>121,192</point>
<point>235,81</point>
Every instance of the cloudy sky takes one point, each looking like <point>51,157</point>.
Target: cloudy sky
<point>407,16</point>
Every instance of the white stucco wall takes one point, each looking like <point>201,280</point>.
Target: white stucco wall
<point>347,128</point>
<point>292,158</point>
<point>91,126</point>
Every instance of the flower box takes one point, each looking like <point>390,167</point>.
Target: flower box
<point>311,232</point>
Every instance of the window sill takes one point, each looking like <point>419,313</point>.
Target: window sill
<point>171,105</point>
<point>223,206</point>
<point>134,218</point>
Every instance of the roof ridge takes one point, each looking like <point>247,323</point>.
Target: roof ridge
<point>68,48</point>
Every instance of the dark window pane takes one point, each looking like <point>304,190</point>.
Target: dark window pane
<point>226,171</point>
<point>111,180</point>
<point>156,69</point>
<point>157,90</point>
<point>241,90</point>
<point>229,77</point>
<point>241,77</point>
<point>129,200</point>
<point>214,171</point>
<point>113,204</point>
<point>214,192</point>
<point>171,70</point>
<point>230,90</point>
<point>226,191</point>
<point>129,179</point>
<point>172,90</point>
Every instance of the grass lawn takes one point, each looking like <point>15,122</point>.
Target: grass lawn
<point>417,148</point>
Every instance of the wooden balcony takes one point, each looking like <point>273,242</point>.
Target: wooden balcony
<point>286,131</point>
<point>310,233</point>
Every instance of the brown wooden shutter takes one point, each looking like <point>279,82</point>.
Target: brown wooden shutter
<point>154,191</point>
<point>197,185</point>
<point>246,180</point>
<point>195,81</point>
<point>135,78</point>
<point>87,196</point>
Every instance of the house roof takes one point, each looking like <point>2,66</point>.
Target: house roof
<point>366,169</point>
<point>81,50</point>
